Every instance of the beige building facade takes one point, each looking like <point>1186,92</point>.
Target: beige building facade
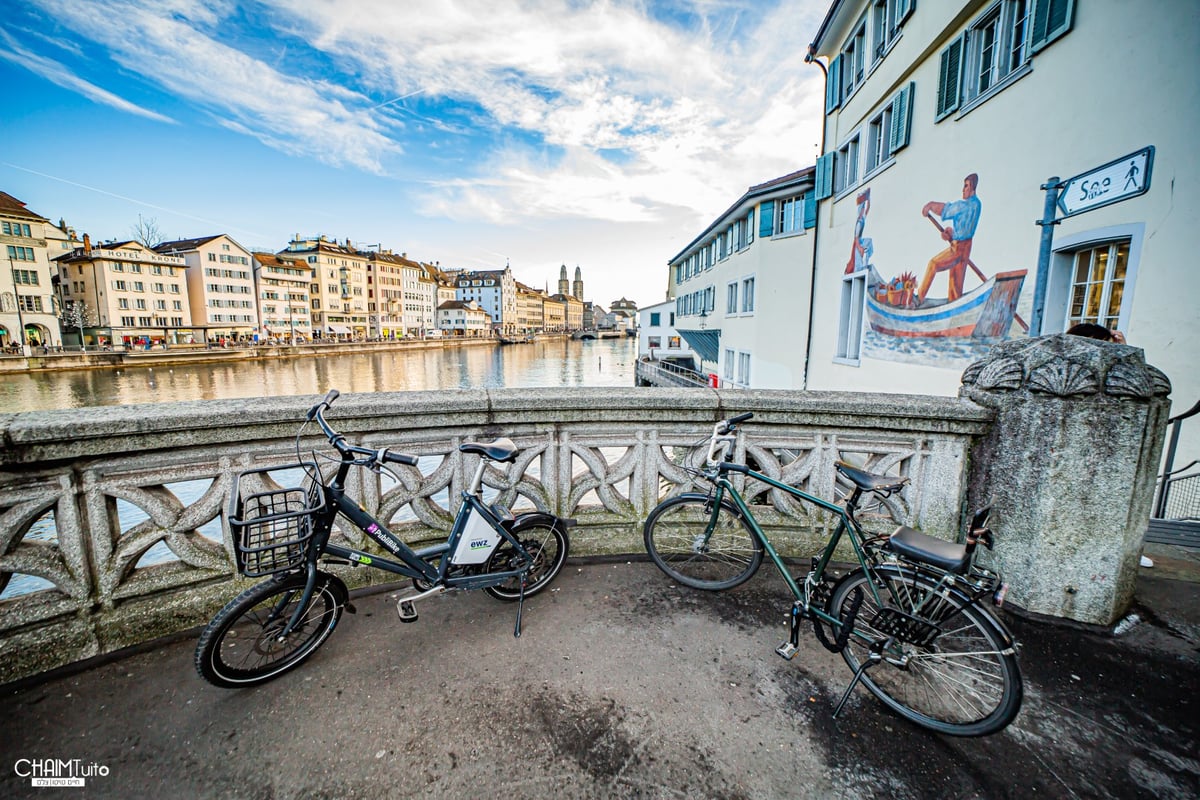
<point>221,291</point>
<point>28,304</point>
<point>282,286</point>
<point>340,286</point>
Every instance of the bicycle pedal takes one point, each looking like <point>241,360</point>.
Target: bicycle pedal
<point>407,611</point>
<point>787,651</point>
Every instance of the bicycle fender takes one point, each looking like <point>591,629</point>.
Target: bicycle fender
<point>998,624</point>
<point>539,518</point>
<point>338,587</point>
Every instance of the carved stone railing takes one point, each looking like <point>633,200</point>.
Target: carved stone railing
<point>87,495</point>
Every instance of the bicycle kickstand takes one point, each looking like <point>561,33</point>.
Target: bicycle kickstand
<point>873,657</point>
<point>789,648</point>
<point>520,607</point>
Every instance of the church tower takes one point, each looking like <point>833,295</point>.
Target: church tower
<point>577,287</point>
<point>563,286</point>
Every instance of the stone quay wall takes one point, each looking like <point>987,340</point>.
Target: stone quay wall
<point>85,494</point>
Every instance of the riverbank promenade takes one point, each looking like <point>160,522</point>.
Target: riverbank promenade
<point>623,684</point>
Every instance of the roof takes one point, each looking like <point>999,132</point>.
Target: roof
<point>12,207</point>
<point>825,23</point>
<point>180,245</point>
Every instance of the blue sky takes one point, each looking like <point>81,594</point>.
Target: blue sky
<point>471,133</point>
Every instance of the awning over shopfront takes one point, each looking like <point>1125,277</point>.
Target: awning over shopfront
<point>339,329</point>
<point>707,344</point>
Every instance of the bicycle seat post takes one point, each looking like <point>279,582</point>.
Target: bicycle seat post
<point>476,486</point>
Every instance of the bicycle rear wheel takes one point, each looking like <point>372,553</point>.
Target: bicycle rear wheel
<point>546,541</point>
<point>965,682</point>
<point>241,646</point>
<point>676,541</point>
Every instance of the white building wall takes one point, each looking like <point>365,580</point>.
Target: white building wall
<point>1113,84</point>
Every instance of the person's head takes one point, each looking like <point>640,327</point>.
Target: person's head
<point>1092,331</point>
<point>970,183</point>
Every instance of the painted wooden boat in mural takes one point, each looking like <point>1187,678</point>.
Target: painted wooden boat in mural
<point>984,312</point>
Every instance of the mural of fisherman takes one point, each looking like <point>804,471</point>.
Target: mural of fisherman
<point>862,248</point>
<point>905,320</point>
<point>960,218</point>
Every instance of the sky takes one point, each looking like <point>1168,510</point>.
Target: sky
<point>470,133</point>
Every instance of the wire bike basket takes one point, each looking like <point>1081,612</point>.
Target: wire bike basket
<point>272,528</point>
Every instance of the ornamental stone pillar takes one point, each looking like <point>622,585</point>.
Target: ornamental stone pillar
<point>1070,466</point>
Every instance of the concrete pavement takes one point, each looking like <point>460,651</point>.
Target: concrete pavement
<point>623,685</point>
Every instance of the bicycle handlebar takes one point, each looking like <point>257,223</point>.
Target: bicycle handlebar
<point>336,439</point>
<point>722,436</point>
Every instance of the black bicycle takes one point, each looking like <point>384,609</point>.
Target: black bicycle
<point>912,622</point>
<point>284,533</point>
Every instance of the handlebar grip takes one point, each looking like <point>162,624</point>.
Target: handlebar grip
<point>330,396</point>
<point>400,458</point>
<point>741,418</point>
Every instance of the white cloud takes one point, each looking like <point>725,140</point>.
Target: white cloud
<point>58,73</point>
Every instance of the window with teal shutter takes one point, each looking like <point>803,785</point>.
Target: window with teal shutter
<point>949,78</point>
<point>901,117</point>
<point>903,9</point>
<point>833,85</point>
<point>824,179</point>
<point>810,210</point>
<point>1051,19</point>
<point>766,219</point>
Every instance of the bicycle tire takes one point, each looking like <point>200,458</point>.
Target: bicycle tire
<point>546,541</point>
<point>239,647</point>
<point>966,682</point>
<point>674,534</point>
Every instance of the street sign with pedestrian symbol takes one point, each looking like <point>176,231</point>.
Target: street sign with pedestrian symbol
<point>1117,180</point>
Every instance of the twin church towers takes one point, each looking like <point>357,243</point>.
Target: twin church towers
<point>575,289</point>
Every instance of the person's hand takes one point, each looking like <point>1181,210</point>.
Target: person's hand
<point>947,232</point>
<point>1118,337</point>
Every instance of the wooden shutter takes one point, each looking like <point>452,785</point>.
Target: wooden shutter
<point>810,210</point>
<point>833,85</point>
<point>950,77</point>
<point>901,117</point>
<point>766,219</point>
<point>1051,19</point>
<point>824,179</point>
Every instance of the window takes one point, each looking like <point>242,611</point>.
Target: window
<point>996,50</point>
<point>655,341</point>
<point>655,319</point>
<point>743,372</point>
<point>731,298</point>
<point>847,166</point>
<point>123,303</point>
<point>791,215</point>
<point>25,277</point>
<point>1098,284</point>
<point>20,253</point>
<point>673,343</point>
<point>119,285</point>
<point>31,303</point>
<point>854,293</point>
<point>16,229</point>
<point>730,358</point>
<point>854,59</point>
<point>141,304</point>
<point>879,139</point>
<point>747,295</point>
<point>128,322</point>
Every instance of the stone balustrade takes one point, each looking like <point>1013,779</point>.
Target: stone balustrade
<point>107,483</point>
<point>1062,434</point>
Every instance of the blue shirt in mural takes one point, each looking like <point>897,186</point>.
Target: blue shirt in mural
<point>963,216</point>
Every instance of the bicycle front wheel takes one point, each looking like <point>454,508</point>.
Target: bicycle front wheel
<point>242,644</point>
<point>965,682</point>
<point>686,542</point>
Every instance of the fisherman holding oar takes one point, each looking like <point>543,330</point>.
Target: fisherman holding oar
<point>960,218</point>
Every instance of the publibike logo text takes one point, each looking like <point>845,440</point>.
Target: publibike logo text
<point>58,771</point>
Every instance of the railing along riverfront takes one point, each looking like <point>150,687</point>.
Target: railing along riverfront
<point>602,456</point>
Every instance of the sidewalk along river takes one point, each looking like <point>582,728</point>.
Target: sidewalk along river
<point>559,362</point>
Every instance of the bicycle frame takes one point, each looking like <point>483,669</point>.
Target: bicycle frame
<point>413,564</point>
<point>846,523</point>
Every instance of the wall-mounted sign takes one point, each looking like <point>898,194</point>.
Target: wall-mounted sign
<point>1117,180</point>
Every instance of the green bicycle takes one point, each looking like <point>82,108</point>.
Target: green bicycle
<point>910,621</point>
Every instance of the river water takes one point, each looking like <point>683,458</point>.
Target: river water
<point>545,363</point>
<point>549,363</point>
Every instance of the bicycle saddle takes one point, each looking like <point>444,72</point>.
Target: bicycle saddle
<point>868,481</point>
<point>927,549</point>
<point>499,450</point>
